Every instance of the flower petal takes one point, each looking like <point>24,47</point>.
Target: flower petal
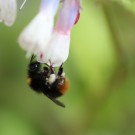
<point>8,11</point>
<point>37,34</point>
<point>57,50</point>
<point>68,15</point>
<point>49,6</point>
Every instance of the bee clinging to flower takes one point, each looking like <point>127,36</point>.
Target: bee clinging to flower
<point>45,80</point>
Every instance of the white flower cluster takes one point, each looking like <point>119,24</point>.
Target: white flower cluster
<point>49,42</point>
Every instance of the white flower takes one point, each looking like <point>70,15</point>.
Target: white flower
<point>37,34</point>
<point>57,50</point>
<point>8,11</point>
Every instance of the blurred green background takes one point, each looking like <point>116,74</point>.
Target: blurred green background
<point>101,70</point>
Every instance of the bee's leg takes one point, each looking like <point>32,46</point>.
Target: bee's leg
<point>60,70</point>
<point>51,67</point>
<point>32,58</point>
<point>51,70</point>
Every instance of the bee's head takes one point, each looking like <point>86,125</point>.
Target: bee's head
<point>34,66</point>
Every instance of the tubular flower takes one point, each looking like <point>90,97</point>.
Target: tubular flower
<point>57,49</point>
<point>8,11</point>
<point>38,33</point>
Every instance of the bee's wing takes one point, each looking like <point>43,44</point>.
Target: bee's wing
<point>58,102</point>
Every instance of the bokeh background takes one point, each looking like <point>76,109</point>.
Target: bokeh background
<point>101,70</point>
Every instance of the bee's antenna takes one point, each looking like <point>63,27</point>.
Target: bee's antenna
<point>22,4</point>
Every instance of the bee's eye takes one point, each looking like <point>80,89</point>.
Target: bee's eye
<point>34,66</point>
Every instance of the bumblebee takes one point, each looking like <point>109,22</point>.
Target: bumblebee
<point>43,79</point>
